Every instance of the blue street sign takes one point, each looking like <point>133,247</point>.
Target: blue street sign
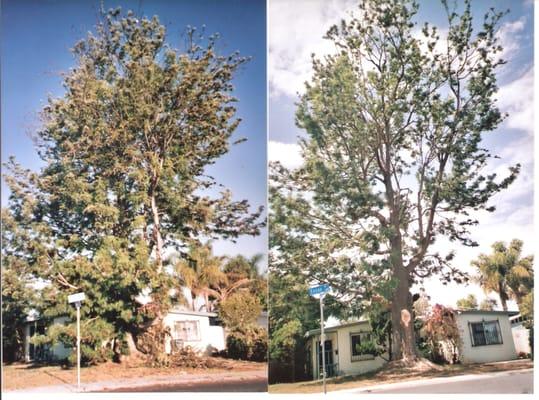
<point>319,289</point>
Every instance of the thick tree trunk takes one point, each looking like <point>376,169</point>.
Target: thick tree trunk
<point>503,300</point>
<point>403,346</point>
<point>157,235</point>
<point>135,355</point>
<point>503,296</point>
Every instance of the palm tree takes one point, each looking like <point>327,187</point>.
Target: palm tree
<point>241,274</point>
<point>245,273</point>
<point>200,272</point>
<point>505,272</point>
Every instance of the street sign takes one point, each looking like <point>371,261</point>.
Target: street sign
<point>77,297</point>
<point>320,289</point>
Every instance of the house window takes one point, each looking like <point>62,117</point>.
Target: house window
<point>362,346</point>
<point>187,331</point>
<point>485,333</point>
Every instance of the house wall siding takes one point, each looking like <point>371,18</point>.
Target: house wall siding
<point>346,364</point>
<point>341,342</point>
<point>481,354</point>
<point>58,351</point>
<point>211,337</point>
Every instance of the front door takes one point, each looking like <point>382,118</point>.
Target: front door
<point>328,350</point>
<point>39,352</point>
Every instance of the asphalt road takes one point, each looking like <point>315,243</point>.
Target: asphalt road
<point>240,385</point>
<point>517,382</point>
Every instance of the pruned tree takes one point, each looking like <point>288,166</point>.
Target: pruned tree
<point>126,150</point>
<point>392,156</point>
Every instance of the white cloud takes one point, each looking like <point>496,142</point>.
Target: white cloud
<point>510,37</point>
<point>288,154</point>
<point>516,98</point>
<point>296,32</point>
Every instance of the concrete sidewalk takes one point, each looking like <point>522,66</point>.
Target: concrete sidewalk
<point>147,381</point>
<point>418,384</point>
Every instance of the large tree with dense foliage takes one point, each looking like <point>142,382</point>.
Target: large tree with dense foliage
<point>392,157</point>
<point>126,150</point>
<point>19,296</point>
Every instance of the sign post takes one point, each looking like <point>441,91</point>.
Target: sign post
<point>77,299</point>
<point>321,290</point>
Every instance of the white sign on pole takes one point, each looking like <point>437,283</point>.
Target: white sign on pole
<point>77,297</point>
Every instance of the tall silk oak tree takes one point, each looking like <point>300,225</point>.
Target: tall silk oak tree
<point>393,156</point>
<point>125,152</point>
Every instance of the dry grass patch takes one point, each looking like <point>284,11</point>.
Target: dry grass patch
<point>24,376</point>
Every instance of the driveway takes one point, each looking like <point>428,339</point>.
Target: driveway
<point>515,382</point>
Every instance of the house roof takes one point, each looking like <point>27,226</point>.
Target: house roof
<point>509,313</point>
<point>334,328</point>
<point>188,312</point>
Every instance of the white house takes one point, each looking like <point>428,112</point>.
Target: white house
<point>486,337</point>
<point>521,334</point>
<point>36,326</point>
<point>343,354</point>
<point>200,330</point>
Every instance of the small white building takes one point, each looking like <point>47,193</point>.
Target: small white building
<point>32,353</point>
<point>202,331</point>
<point>486,336</point>
<point>521,335</point>
<point>343,350</point>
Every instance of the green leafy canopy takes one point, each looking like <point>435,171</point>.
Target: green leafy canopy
<point>125,152</point>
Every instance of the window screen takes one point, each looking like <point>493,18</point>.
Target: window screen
<point>187,331</point>
<point>485,333</point>
<point>358,343</point>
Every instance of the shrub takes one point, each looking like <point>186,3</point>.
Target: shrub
<point>442,335</point>
<point>249,343</point>
<point>240,310</point>
<point>368,347</point>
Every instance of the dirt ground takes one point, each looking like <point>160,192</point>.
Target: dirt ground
<point>25,376</point>
<point>394,375</point>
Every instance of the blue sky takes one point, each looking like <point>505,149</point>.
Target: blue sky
<point>289,65</point>
<point>37,36</point>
